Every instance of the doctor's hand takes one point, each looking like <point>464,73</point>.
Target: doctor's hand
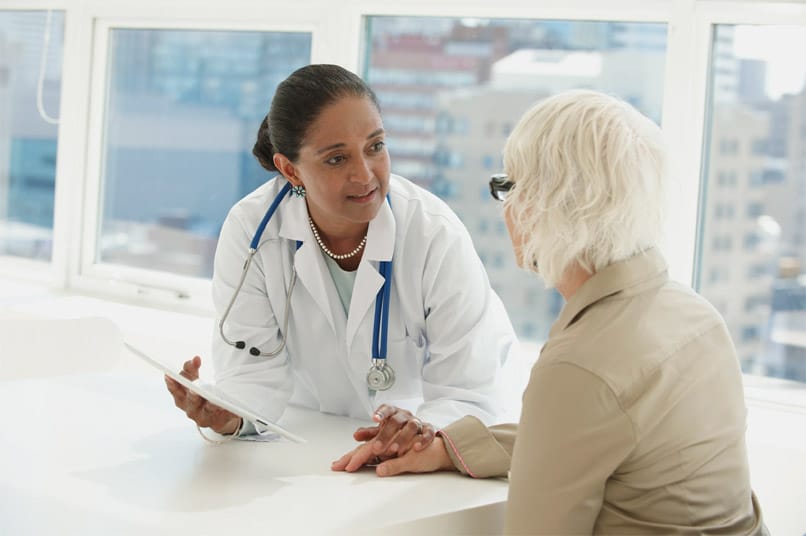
<point>198,409</point>
<point>397,432</point>
<point>432,458</point>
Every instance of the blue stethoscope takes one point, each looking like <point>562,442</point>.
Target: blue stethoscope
<point>381,376</point>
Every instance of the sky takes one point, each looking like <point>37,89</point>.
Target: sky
<point>781,47</point>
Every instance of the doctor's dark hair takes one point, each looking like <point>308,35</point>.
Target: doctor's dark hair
<point>297,103</point>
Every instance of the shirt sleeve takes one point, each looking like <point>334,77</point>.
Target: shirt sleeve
<point>262,384</point>
<point>573,434</point>
<point>479,451</point>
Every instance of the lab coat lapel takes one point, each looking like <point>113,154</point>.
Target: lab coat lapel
<point>368,280</point>
<point>308,262</point>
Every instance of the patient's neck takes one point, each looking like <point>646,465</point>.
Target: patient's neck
<point>573,278</point>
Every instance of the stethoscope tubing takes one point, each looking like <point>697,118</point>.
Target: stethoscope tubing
<point>235,295</point>
<point>381,322</point>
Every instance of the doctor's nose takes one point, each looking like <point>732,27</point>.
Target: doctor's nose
<point>362,172</point>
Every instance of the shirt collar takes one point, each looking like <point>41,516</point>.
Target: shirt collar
<point>628,277</point>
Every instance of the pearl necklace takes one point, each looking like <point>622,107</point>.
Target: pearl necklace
<point>330,253</point>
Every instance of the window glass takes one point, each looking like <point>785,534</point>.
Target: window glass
<point>757,121</point>
<point>30,82</point>
<point>183,110</point>
<point>456,88</point>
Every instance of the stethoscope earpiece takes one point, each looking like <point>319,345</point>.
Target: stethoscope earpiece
<point>240,345</point>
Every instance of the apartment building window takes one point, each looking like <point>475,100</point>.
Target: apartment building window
<point>30,85</point>
<point>756,178</point>
<point>183,108</point>
<point>722,243</point>
<point>488,72</point>
<point>760,147</point>
<point>750,334</point>
<point>729,146</point>
<point>751,240</point>
<point>754,271</point>
<point>753,303</point>
<point>752,117</point>
<point>754,210</point>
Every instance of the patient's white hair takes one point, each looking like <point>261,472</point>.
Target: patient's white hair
<point>589,172</point>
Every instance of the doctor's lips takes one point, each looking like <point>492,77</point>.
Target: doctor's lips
<point>363,198</point>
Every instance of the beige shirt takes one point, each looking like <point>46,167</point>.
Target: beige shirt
<point>633,421</point>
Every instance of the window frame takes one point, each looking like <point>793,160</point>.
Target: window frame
<point>337,33</point>
<point>179,292</point>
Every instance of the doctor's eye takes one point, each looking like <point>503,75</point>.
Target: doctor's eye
<point>378,146</point>
<point>335,160</point>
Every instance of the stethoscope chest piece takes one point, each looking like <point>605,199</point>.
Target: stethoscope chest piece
<point>381,376</point>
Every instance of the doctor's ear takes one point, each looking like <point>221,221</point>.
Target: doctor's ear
<point>286,168</point>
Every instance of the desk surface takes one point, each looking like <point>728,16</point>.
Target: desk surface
<point>109,454</point>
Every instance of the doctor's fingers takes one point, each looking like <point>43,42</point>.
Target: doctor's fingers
<point>190,369</point>
<point>217,418</point>
<point>178,391</point>
<point>409,436</point>
<point>426,437</point>
<point>393,421</point>
<point>207,414</point>
<point>384,411</point>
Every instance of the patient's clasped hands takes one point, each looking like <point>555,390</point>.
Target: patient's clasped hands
<point>399,443</point>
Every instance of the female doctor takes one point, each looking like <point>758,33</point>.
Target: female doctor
<point>364,290</point>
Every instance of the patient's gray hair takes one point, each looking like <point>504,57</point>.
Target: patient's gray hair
<point>589,173</point>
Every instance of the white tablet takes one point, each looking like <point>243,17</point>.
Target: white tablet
<point>217,397</point>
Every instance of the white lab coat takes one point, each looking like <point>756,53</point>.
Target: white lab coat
<point>449,333</point>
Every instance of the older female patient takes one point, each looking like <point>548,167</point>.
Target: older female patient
<point>633,420</point>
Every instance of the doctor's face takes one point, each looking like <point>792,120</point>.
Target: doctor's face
<point>343,163</point>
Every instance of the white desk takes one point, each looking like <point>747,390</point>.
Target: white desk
<point>109,454</point>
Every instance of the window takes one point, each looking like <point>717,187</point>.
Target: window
<point>755,209</point>
<point>476,78</point>
<point>722,243</point>
<point>754,271</point>
<point>751,240</point>
<point>752,303</point>
<point>749,334</point>
<point>755,125</point>
<point>729,146</point>
<point>28,130</point>
<point>183,108</point>
<point>723,211</point>
<point>756,178</point>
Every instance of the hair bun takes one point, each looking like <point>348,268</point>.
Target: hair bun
<point>263,150</point>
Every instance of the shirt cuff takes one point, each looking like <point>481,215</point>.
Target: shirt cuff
<point>246,429</point>
<point>474,451</point>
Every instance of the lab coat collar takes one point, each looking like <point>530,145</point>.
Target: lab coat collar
<point>381,236</point>
<point>294,219</point>
<point>308,262</point>
<point>630,276</point>
<point>314,275</point>
<point>368,281</point>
